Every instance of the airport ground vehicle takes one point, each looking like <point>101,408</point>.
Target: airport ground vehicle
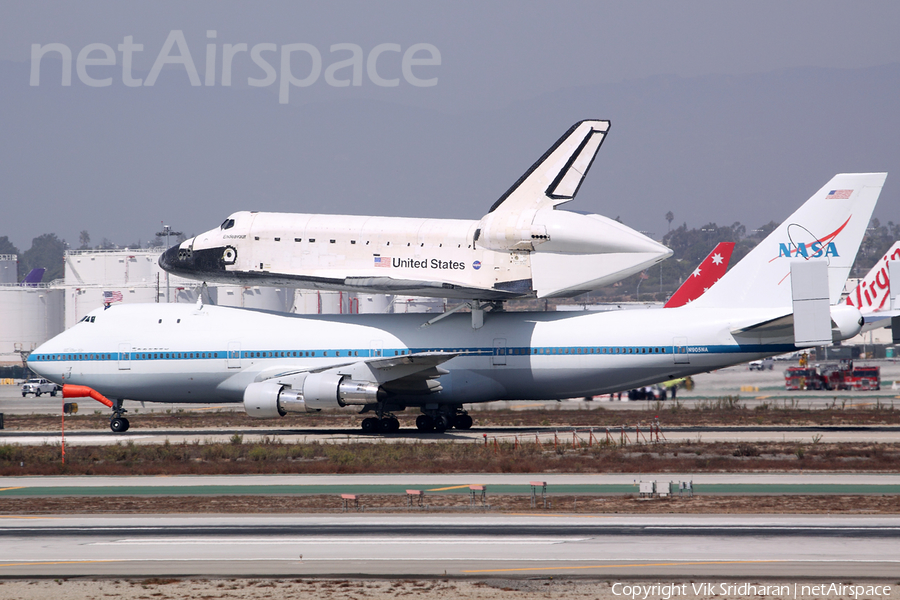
<point>833,376</point>
<point>649,392</point>
<point>40,386</point>
<point>762,365</point>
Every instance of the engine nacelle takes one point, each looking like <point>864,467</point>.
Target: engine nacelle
<point>320,390</point>
<point>261,400</point>
<point>316,391</point>
<point>847,322</point>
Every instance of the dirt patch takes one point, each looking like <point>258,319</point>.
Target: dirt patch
<point>557,504</point>
<point>376,456</point>
<point>339,589</point>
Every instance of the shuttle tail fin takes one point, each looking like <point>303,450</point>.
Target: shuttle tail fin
<point>829,227</point>
<point>557,175</point>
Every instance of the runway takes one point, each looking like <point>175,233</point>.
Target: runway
<point>547,435</point>
<point>451,545</point>
<point>557,483</point>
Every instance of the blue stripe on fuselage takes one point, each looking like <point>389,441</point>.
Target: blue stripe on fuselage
<point>369,353</point>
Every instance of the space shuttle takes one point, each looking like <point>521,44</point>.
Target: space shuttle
<point>524,247</point>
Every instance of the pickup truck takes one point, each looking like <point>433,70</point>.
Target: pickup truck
<point>39,386</point>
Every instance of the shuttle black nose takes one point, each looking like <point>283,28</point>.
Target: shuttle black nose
<point>207,264</point>
<point>169,259</point>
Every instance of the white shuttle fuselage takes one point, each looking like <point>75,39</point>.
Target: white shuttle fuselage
<point>524,247</point>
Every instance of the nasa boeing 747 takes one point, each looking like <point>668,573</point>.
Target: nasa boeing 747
<point>782,296</point>
<point>524,247</point>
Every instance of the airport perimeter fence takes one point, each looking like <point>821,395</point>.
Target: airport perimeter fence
<point>576,438</point>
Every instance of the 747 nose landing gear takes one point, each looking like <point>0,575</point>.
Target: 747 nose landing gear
<point>118,423</point>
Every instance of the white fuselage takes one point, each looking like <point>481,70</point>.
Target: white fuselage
<point>186,353</point>
<point>508,254</point>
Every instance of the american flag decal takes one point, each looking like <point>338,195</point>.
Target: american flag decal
<point>838,194</point>
<point>382,261</point>
<point>112,296</point>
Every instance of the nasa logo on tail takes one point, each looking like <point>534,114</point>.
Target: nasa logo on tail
<point>811,250</point>
<point>817,247</point>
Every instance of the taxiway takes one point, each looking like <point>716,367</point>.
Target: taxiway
<point>451,545</point>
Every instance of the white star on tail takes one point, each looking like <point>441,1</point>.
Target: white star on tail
<point>717,259</point>
<point>696,273</point>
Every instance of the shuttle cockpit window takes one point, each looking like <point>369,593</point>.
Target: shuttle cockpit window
<point>227,224</point>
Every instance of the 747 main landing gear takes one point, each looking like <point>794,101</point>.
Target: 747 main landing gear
<point>386,424</point>
<point>118,423</point>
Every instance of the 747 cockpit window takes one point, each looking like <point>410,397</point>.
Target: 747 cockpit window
<point>227,224</point>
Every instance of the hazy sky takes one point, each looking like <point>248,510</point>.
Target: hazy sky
<point>117,160</point>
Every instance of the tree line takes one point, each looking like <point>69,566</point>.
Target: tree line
<point>48,252</point>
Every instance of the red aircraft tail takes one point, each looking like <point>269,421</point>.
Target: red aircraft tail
<point>710,271</point>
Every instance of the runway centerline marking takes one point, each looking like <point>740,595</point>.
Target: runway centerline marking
<point>341,540</point>
<point>670,564</point>
<point>59,562</point>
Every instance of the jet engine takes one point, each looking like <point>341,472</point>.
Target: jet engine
<point>312,393</point>
<point>846,322</point>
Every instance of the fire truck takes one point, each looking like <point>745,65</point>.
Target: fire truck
<point>833,376</point>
